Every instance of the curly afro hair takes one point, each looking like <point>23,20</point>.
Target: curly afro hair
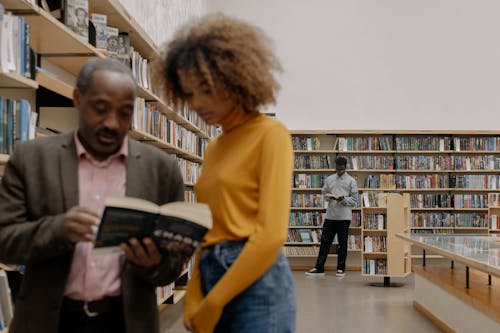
<point>224,51</point>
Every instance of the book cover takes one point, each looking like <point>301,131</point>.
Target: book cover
<point>176,227</point>
<point>123,50</point>
<point>76,17</point>
<point>100,23</point>
<point>112,40</point>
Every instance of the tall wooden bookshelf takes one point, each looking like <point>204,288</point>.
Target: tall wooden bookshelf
<point>383,254</point>
<point>56,44</point>
<point>494,213</point>
<point>447,174</point>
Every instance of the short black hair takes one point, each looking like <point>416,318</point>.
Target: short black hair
<point>85,75</point>
<point>341,161</point>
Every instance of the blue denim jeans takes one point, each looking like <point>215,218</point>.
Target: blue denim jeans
<point>267,306</point>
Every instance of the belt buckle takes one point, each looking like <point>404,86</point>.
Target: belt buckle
<point>87,311</point>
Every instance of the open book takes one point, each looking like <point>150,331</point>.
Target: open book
<point>336,197</point>
<point>176,227</point>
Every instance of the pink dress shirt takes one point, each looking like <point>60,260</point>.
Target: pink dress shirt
<point>93,277</point>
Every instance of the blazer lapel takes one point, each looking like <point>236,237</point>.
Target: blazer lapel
<point>134,186</point>
<point>68,169</point>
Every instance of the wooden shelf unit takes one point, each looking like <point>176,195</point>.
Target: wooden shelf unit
<point>397,254</point>
<point>52,40</point>
<point>16,81</point>
<point>493,211</point>
<point>53,84</point>
<point>65,49</point>
<point>118,17</point>
<point>151,139</point>
<point>329,147</point>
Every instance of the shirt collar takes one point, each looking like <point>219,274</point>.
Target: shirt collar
<point>122,153</point>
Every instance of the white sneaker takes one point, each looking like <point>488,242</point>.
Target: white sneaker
<point>340,273</point>
<point>315,272</point>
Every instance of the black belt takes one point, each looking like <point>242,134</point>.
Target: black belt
<point>106,305</point>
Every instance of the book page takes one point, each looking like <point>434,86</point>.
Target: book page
<point>133,203</point>
<point>194,212</point>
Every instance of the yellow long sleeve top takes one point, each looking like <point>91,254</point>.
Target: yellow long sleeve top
<point>246,182</point>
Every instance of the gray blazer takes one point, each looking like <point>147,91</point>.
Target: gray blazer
<point>39,185</point>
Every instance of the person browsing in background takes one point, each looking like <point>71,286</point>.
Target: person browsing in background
<point>223,69</point>
<point>51,197</point>
<point>341,191</point>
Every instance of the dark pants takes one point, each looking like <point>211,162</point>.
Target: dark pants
<point>79,322</point>
<point>330,228</point>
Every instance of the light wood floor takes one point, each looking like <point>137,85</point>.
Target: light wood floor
<point>349,304</point>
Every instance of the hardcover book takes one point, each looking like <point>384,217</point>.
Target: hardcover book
<point>176,227</point>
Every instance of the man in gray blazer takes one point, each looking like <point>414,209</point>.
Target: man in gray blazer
<point>51,197</point>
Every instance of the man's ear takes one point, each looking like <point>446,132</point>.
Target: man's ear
<point>76,98</point>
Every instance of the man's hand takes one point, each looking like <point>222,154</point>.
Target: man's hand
<point>143,256</point>
<point>339,198</point>
<point>81,224</point>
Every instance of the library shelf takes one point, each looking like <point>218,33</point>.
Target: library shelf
<point>16,81</point>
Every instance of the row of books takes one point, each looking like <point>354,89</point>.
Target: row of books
<point>190,170</point>
<point>15,53</point>
<point>365,143</point>
<point>304,235</point>
<point>375,243</point>
<point>195,119</point>
<point>353,244</point>
<point>375,222</point>
<point>430,200</point>
<point>109,40</point>
<point>488,143</point>
<point>494,222</point>
<point>6,307</point>
<point>494,199</point>
<point>302,180</point>
<point>148,118</point>
<point>370,162</point>
<point>423,143</point>
<point>164,293</point>
<point>470,201</point>
<point>313,162</point>
<point>306,143</point>
<point>373,199</point>
<point>403,162</point>
<point>430,220</point>
<point>397,181</point>
<point>448,220</point>
<point>475,181</point>
<point>423,162</point>
<point>17,123</point>
<point>375,266</point>
<point>421,181</point>
<point>477,162</point>
<point>392,181</point>
<point>189,196</point>
<point>432,231</point>
<point>385,181</point>
<point>403,143</point>
<point>451,201</point>
<point>316,219</point>
<point>301,200</point>
<point>469,220</point>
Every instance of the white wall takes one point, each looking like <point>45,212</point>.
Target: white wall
<point>382,64</point>
<point>160,18</point>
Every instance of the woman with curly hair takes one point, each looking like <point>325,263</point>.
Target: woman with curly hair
<point>224,69</point>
